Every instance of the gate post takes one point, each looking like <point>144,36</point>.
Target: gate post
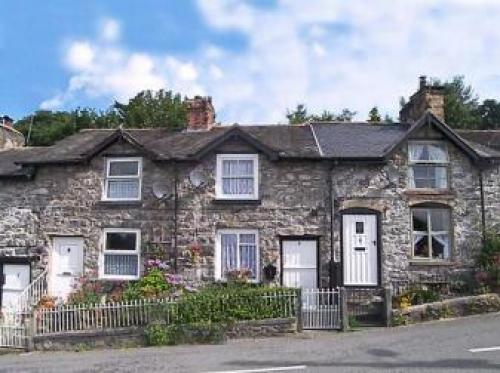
<point>388,306</point>
<point>30,327</point>
<point>344,312</point>
<point>298,309</point>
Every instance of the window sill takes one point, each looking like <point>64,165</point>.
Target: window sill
<point>428,191</point>
<point>417,262</point>
<point>220,201</point>
<point>119,203</point>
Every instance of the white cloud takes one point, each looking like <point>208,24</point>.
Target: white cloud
<point>329,54</point>
<point>110,30</point>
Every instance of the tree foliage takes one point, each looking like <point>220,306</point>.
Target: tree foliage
<point>300,115</point>
<point>374,115</point>
<point>147,109</point>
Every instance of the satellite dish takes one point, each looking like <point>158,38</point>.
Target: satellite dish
<point>197,177</point>
<point>161,191</point>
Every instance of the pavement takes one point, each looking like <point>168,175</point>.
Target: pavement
<point>459,345</point>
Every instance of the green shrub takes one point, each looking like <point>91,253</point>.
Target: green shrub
<point>158,335</point>
<point>198,333</point>
<point>152,286</point>
<point>415,297</point>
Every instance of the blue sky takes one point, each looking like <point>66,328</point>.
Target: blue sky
<point>256,58</point>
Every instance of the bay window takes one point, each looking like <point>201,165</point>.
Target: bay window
<point>431,233</point>
<point>123,179</point>
<point>237,176</point>
<point>237,250</point>
<point>120,257</point>
<point>428,165</point>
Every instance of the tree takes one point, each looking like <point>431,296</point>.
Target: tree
<point>460,103</point>
<point>153,109</point>
<point>374,115</point>
<point>300,115</point>
<point>489,111</point>
<point>146,109</point>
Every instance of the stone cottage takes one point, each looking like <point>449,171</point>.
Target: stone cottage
<point>311,205</point>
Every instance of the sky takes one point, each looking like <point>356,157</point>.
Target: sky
<point>256,58</point>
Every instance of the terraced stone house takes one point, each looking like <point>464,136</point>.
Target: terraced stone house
<point>311,205</point>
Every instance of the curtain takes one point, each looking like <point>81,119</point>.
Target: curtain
<point>121,265</point>
<point>427,152</point>
<point>229,247</point>
<point>237,177</point>
<point>123,189</point>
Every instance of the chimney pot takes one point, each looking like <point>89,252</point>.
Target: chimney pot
<point>423,81</point>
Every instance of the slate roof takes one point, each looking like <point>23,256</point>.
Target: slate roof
<point>321,140</point>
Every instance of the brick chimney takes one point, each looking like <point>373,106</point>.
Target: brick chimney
<point>200,113</point>
<point>427,98</point>
<point>6,121</point>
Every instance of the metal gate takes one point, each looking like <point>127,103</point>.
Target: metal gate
<point>321,309</point>
<point>13,333</point>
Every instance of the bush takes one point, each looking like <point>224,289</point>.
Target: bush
<point>232,302</point>
<point>414,297</point>
<point>153,285</point>
<point>204,333</point>
<point>488,261</point>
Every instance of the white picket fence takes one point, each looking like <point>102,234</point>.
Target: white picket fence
<point>13,332</point>
<point>72,318</point>
<point>321,309</point>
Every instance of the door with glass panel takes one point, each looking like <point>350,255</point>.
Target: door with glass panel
<point>300,260</point>
<point>66,265</point>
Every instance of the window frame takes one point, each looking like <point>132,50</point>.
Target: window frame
<point>219,176</point>
<point>219,276</point>
<point>430,233</point>
<point>411,163</point>
<point>105,252</point>
<point>107,177</point>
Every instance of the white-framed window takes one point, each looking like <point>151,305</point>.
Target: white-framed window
<point>237,176</point>
<point>120,259</point>
<point>431,231</point>
<point>428,162</point>
<point>237,249</point>
<point>123,179</point>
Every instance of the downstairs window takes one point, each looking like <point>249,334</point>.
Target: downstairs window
<point>121,254</point>
<point>431,233</point>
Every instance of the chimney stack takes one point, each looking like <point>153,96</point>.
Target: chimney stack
<point>427,98</point>
<point>200,113</point>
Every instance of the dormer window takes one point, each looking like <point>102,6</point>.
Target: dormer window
<point>237,176</point>
<point>428,165</point>
<point>123,179</point>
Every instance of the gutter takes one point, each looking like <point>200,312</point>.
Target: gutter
<point>176,213</point>
<point>483,209</point>
<point>332,224</point>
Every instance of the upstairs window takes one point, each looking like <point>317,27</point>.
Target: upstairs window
<point>428,165</point>
<point>123,179</point>
<point>431,233</point>
<point>237,176</point>
<point>121,253</point>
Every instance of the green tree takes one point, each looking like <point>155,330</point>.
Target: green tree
<point>374,115</point>
<point>489,111</point>
<point>300,115</point>
<point>153,109</point>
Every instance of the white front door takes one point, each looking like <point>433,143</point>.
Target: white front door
<point>360,250</point>
<point>66,265</point>
<point>16,278</point>
<point>300,263</point>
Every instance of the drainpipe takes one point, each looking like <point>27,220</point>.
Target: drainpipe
<point>483,209</point>
<point>332,215</point>
<point>176,210</point>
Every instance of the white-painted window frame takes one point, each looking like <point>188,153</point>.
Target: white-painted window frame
<point>219,176</point>
<point>114,177</point>
<point>136,252</point>
<point>437,163</point>
<point>218,252</point>
<point>430,233</point>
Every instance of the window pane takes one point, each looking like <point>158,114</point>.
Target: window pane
<point>124,168</point>
<point>441,177</point>
<point>420,245</point>
<point>428,152</point>
<point>229,247</point>
<point>248,258</point>
<point>440,219</point>
<point>245,168</point>
<point>123,189</point>
<point>121,241</point>
<point>121,265</point>
<point>360,227</point>
<point>420,220</point>
<point>237,186</point>
<point>228,167</point>
<point>247,238</point>
<point>440,246</point>
<point>425,176</point>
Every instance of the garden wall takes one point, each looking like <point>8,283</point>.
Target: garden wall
<point>456,307</point>
<point>135,336</point>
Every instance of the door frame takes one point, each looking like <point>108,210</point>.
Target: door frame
<point>13,260</point>
<point>306,237</point>
<point>378,224</point>
<point>51,256</point>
